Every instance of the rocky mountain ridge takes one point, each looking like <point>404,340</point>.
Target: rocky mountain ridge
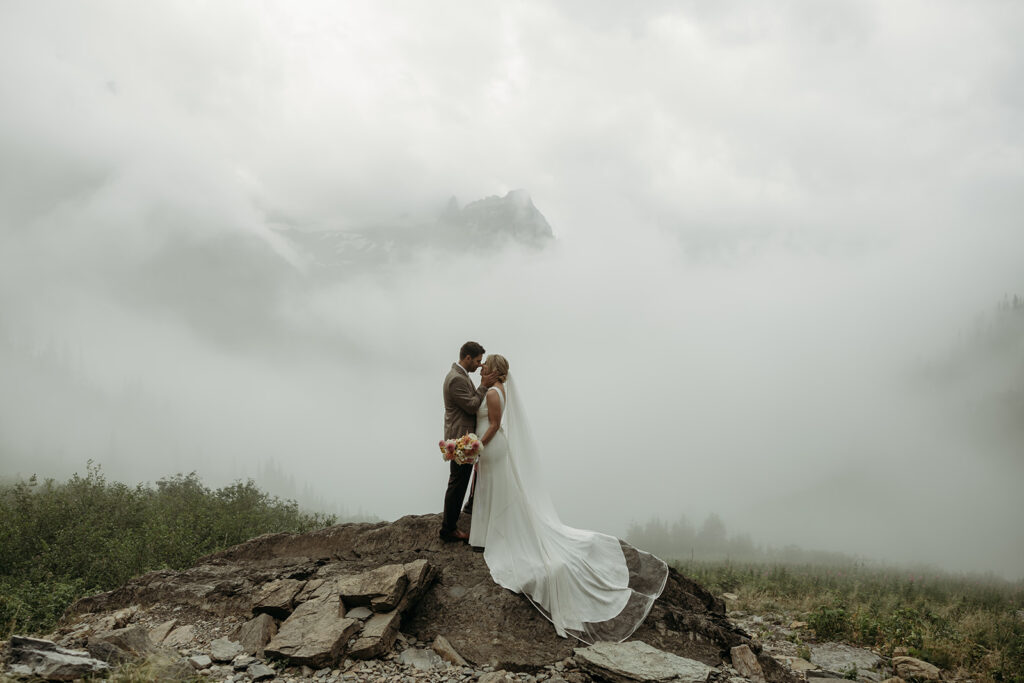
<point>492,222</point>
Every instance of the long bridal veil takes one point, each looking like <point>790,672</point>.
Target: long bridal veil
<point>590,585</point>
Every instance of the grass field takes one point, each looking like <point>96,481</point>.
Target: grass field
<point>968,625</point>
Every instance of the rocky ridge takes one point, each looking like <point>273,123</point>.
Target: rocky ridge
<point>488,223</point>
<point>387,601</point>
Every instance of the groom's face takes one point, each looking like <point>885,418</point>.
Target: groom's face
<point>475,363</point>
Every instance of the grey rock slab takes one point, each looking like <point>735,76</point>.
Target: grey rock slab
<point>45,659</point>
<point>254,634</point>
<point>200,662</point>
<point>841,658</point>
<point>161,631</point>
<point>424,660</point>
<point>242,662</point>
<point>277,598</point>
<point>224,650</point>
<point>260,672</point>
<point>380,588</point>
<point>911,669</point>
<point>314,635</point>
<point>181,636</point>
<point>638,661</point>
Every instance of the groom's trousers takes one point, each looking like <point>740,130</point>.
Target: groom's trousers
<point>458,480</point>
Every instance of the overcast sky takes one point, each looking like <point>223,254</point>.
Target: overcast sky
<point>768,216</point>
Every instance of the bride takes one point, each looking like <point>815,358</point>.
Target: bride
<point>590,585</point>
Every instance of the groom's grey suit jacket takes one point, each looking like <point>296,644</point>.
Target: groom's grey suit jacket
<point>461,401</point>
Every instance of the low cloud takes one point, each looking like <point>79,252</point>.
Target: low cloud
<point>766,225</point>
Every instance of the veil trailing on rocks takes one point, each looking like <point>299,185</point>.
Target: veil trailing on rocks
<point>590,585</point>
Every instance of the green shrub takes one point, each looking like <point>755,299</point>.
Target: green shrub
<point>829,622</point>
<point>60,541</point>
<point>959,623</point>
<point>905,627</point>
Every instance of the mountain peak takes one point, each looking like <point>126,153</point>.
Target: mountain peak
<point>513,215</point>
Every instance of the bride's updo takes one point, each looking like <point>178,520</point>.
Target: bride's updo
<point>498,365</point>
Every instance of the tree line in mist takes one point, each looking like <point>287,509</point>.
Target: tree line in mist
<point>710,541</point>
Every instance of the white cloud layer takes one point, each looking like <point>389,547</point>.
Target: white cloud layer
<point>768,217</point>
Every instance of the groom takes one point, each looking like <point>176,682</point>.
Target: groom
<point>461,401</point>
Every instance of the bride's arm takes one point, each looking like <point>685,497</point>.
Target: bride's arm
<point>493,416</point>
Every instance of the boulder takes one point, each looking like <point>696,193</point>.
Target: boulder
<point>380,588</point>
<point>242,662</point>
<point>37,658</point>
<point>500,676</point>
<point>260,672</point>
<point>637,661</point>
<point>224,650</point>
<point>314,635</point>
<point>841,659</point>
<point>911,669</point>
<point>180,637</point>
<point>424,660</point>
<point>277,598</point>
<point>200,662</point>
<point>745,662</point>
<point>120,645</point>
<point>377,636</point>
<point>254,634</point>
<point>158,633</point>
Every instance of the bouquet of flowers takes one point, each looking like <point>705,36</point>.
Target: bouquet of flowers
<point>465,450</point>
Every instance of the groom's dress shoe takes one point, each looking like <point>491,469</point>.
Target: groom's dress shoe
<point>477,548</point>
<point>454,536</point>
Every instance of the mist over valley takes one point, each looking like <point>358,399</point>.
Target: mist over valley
<point>766,267</point>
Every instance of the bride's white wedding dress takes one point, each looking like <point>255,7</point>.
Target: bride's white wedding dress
<point>590,585</point>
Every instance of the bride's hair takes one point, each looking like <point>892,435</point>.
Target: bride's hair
<point>497,364</point>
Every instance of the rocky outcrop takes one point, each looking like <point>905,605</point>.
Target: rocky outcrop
<point>37,658</point>
<point>315,634</point>
<point>437,589</point>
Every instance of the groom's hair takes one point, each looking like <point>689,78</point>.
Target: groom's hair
<point>471,349</point>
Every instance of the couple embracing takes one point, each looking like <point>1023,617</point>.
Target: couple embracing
<point>580,580</point>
